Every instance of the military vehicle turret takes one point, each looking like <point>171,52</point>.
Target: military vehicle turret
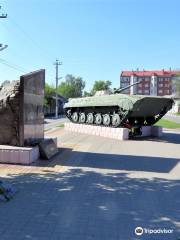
<point>118,110</point>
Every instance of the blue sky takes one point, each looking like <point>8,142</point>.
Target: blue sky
<point>95,39</point>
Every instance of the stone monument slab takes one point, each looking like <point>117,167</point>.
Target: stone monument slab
<point>31,124</point>
<point>21,109</point>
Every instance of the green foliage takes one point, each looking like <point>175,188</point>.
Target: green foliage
<point>72,87</point>
<point>61,125</point>
<point>5,82</point>
<point>49,91</point>
<point>87,94</point>
<point>101,85</point>
<point>167,124</point>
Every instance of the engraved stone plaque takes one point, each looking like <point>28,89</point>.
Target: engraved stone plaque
<point>47,148</point>
<point>31,124</point>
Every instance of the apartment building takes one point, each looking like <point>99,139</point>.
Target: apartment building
<point>157,83</point>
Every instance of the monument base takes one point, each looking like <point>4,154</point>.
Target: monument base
<point>18,155</point>
<point>109,132</point>
<point>154,131</point>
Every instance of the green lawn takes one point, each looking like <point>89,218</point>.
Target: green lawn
<point>167,124</point>
<point>61,125</point>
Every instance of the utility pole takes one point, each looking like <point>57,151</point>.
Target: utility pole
<point>2,47</point>
<point>57,64</point>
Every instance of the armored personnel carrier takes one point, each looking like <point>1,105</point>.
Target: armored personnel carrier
<point>117,109</point>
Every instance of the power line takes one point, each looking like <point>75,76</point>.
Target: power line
<point>6,63</point>
<point>11,50</point>
<point>13,66</point>
<point>31,39</point>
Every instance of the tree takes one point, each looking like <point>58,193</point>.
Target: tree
<point>101,85</point>
<point>49,91</point>
<point>87,94</point>
<point>72,87</point>
<point>5,83</point>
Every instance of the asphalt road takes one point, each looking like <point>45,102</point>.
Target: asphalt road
<point>115,186</point>
<point>96,188</point>
<point>52,123</point>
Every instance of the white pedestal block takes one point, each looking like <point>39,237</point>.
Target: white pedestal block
<point>18,155</point>
<point>109,132</point>
<point>146,131</point>
<point>156,131</point>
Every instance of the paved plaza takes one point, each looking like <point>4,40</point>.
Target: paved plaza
<point>96,188</point>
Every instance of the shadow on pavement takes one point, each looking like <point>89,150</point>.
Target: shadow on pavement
<point>82,205</point>
<point>113,161</point>
<point>88,201</point>
<point>167,137</point>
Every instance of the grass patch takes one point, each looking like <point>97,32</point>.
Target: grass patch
<point>177,114</point>
<point>61,125</point>
<point>167,124</point>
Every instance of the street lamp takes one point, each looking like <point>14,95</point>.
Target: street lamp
<point>2,47</point>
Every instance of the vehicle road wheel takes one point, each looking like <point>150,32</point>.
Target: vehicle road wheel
<point>106,120</point>
<point>90,118</point>
<point>82,118</point>
<point>75,117</point>
<point>116,120</point>
<point>98,119</point>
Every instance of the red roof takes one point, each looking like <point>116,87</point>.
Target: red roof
<point>162,73</point>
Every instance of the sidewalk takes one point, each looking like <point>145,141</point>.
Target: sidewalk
<point>95,189</point>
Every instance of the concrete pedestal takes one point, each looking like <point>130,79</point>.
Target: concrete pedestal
<point>115,133</point>
<point>18,155</point>
<point>109,132</point>
<point>154,131</point>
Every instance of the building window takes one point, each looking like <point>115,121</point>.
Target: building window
<point>160,91</point>
<point>160,84</point>
<point>124,84</point>
<point>146,85</point>
<point>124,79</point>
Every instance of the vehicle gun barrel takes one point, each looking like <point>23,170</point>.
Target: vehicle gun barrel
<point>119,90</point>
